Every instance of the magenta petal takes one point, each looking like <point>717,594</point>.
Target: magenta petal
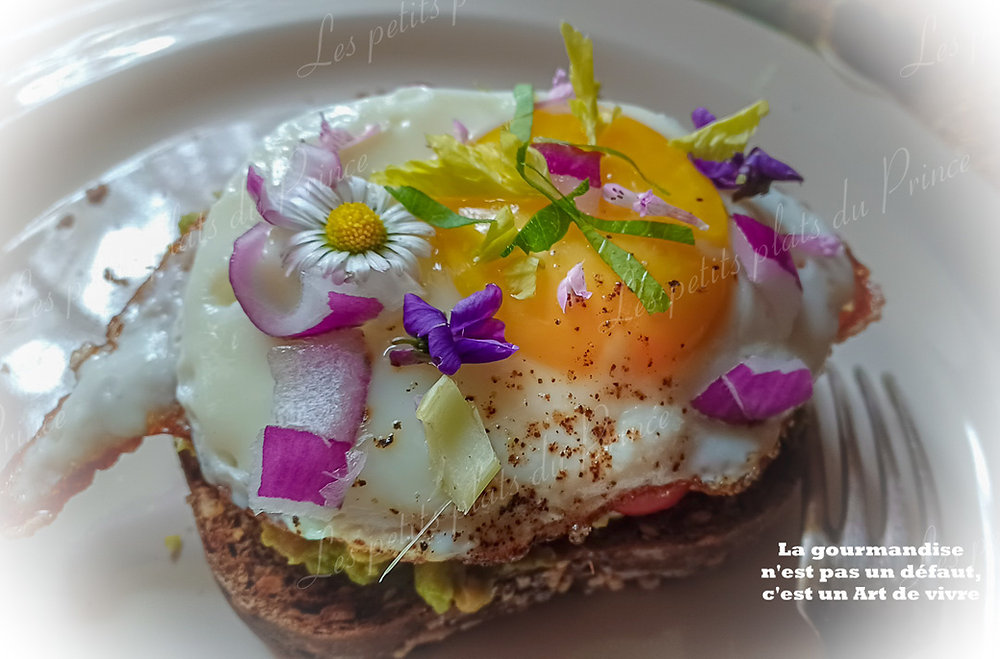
<point>309,161</point>
<point>765,260</point>
<point>563,159</point>
<point>335,139</point>
<point>756,390</point>
<point>351,310</point>
<point>321,385</point>
<point>250,267</point>
<point>477,307</point>
<point>296,465</point>
<point>761,250</point>
<point>257,189</point>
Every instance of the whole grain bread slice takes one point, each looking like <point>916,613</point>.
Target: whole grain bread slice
<point>303,616</point>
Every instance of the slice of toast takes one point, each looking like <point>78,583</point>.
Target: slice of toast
<point>301,616</point>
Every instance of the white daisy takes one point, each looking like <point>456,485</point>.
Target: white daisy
<point>351,230</point>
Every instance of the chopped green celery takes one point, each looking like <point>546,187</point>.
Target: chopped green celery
<point>460,452</point>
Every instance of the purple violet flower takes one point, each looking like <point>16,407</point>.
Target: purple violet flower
<point>749,174</point>
<point>471,336</point>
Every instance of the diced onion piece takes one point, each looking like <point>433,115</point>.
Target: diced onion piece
<point>761,251</point>
<point>262,288</point>
<point>460,452</point>
<point>756,390</point>
<point>322,385</point>
<point>767,262</point>
<point>292,470</point>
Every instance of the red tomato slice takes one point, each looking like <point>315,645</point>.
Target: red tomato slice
<point>646,500</point>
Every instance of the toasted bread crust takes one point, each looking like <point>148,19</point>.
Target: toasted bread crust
<point>303,616</point>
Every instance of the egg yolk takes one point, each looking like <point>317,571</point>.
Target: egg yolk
<point>611,330</point>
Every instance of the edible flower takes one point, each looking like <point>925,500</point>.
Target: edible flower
<point>470,336</point>
<point>574,284</point>
<point>346,231</point>
<point>647,203</point>
<point>459,131</point>
<point>562,89</point>
<point>749,174</point>
<point>756,390</point>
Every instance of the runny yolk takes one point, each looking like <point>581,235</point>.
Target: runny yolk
<point>610,332</point>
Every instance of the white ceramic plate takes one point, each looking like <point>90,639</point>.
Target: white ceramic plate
<point>162,107</point>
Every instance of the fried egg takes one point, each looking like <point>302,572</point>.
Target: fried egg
<point>594,405</point>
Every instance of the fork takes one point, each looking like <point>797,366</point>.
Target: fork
<point>899,508</point>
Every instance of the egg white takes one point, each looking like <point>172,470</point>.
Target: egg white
<point>556,469</point>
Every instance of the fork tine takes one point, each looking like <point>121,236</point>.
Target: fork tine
<point>889,504</point>
<point>852,486</point>
<point>815,511</point>
<point>926,487</point>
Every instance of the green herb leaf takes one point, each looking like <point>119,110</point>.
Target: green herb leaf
<point>521,273</point>
<point>499,236</point>
<point>461,170</point>
<point>520,125</point>
<point>542,231</point>
<point>612,152</point>
<point>581,75</point>
<point>634,274</point>
<point>722,138</point>
<point>623,263</point>
<point>645,228</point>
<point>428,210</point>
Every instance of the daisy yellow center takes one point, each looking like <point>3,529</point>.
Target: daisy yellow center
<point>354,228</point>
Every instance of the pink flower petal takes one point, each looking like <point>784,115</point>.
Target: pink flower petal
<point>648,203</point>
<point>310,161</point>
<point>817,244</point>
<point>321,385</point>
<point>563,159</point>
<point>460,132</point>
<point>761,251</point>
<point>562,90</point>
<point>575,284</point>
<point>756,390</point>
<point>336,139</point>
<point>254,267</point>
<point>269,209</point>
